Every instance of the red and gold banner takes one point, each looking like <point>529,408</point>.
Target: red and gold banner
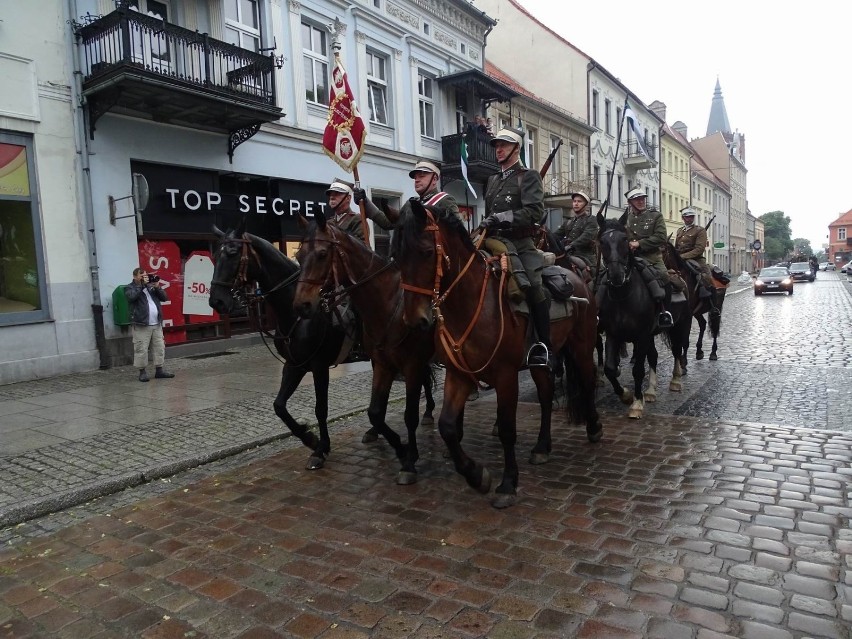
<point>345,132</point>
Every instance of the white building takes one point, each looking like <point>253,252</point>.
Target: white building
<point>47,323</point>
<point>194,96</point>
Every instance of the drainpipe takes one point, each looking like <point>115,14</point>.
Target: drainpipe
<point>81,143</point>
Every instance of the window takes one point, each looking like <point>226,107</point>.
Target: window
<point>151,48</point>
<point>461,110</point>
<point>607,113</point>
<point>463,48</point>
<point>653,196</point>
<point>618,117</point>
<point>594,108</point>
<point>426,97</point>
<point>608,183</point>
<point>377,4</point>
<point>531,150</point>
<point>841,234</point>
<point>22,290</point>
<point>573,150</point>
<point>315,57</point>
<point>556,165</point>
<point>596,177</point>
<point>426,28</point>
<point>620,189</point>
<point>377,88</point>
<point>242,27</point>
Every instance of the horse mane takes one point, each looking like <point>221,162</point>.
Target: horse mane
<point>675,256</point>
<point>268,252</point>
<point>613,224</point>
<point>410,227</point>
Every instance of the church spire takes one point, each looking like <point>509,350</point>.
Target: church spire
<point>718,120</point>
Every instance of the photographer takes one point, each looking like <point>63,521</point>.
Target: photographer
<point>145,293</point>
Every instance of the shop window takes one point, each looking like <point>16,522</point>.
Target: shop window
<point>22,290</point>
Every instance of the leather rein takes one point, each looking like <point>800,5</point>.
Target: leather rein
<point>454,348</point>
<point>627,264</point>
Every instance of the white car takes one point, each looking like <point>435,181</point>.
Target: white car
<point>845,268</point>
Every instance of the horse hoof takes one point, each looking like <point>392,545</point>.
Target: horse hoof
<point>675,387</point>
<point>650,398</point>
<point>370,436</point>
<point>594,434</point>
<point>700,355</point>
<point>406,478</point>
<point>484,486</point>
<point>315,462</point>
<point>627,397</point>
<point>427,420</point>
<point>537,459</point>
<point>502,500</point>
<point>713,357</point>
<point>634,413</point>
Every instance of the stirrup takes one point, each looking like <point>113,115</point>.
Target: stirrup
<point>665,320</point>
<point>541,358</point>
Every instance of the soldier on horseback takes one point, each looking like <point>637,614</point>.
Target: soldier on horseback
<point>646,230</point>
<point>514,205</point>
<point>339,195</point>
<point>580,233</point>
<point>690,243</point>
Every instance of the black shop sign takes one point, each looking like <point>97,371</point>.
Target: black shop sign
<point>188,202</point>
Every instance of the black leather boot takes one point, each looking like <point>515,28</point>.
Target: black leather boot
<point>664,318</point>
<point>541,354</point>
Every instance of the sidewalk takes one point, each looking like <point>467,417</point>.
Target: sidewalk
<point>69,439</point>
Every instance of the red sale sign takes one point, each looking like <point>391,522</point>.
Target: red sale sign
<point>163,258</point>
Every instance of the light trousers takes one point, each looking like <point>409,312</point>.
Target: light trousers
<point>145,337</point>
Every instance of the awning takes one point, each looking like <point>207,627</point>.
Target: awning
<point>486,87</point>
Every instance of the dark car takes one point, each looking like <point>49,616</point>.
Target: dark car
<point>802,271</point>
<point>773,279</point>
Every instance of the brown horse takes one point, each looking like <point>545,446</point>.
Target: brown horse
<point>700,306</point>
<point>335,264</point>
<point>450,286</point>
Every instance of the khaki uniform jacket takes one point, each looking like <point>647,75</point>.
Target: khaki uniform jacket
<point>649,229</point>
<point>581,233</point>
<point>518,190</point>
<point>691,243</point>
<point>446,204</point>
<point>349,222</point>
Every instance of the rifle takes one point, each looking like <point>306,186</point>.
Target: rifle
<point>549,160</point>
<point>709,222</point>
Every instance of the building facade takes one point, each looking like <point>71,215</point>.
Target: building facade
<point>675,173</point>
<point>49,304</point>
<point>840,240</point>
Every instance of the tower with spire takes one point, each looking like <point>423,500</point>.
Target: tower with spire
<point>718,120</point>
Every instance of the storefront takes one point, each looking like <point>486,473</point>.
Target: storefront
<point>176,238</point>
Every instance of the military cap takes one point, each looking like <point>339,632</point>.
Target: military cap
<point>425,166</point>
<point>582,194</point>
<point>508,134</point>
<point>340,186</point>
<point>633,193</point>
<point>687,211</point>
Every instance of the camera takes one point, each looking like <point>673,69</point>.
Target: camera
<point>153,277</point>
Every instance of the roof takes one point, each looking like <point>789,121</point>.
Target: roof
<point>504,78</point>
<point>843,220</point>
<point>483,84</point>
<point>706,172</point>
<point>667,130</point>
<point>718,120</point>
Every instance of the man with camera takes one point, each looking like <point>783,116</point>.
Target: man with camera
<point>145,294</point>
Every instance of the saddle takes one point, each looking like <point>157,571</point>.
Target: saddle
<point>720,280</point>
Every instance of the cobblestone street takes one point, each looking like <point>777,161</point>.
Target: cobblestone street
<point>724,512</point>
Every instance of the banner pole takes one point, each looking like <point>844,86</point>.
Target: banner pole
<point>364,226</point>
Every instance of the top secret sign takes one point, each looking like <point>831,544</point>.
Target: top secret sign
<point>188,202</point>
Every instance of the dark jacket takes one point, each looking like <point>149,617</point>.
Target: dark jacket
<point>580,234</point>
<point>139,303</point>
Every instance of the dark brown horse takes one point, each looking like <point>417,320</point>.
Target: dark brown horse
<point>450,286</point>
<point>335,264</point>
<point>700,306</point>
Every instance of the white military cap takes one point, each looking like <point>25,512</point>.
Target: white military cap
<point>684,212</point>
<point>425,166</point>
<point>582,194</point>
<point>508,134</point>
<point>340,186</point>
<point>633,193</point>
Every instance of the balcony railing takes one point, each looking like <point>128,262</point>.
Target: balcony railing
<point>481,157</point>
<point>633,151</point>
<point>564,184</point>
<point>128,39</point>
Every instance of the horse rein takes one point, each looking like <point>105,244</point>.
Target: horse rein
<point>626,263</point>
<point>453,348</point>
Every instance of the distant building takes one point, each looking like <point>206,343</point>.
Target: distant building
<point>840,240</point>
<point>675,173</point>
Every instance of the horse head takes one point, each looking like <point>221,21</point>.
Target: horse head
<point>227,276</point>
<point>415,248</point>
<point>615,252</point>
<point>316,259</point>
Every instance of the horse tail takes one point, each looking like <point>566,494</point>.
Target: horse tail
<point>577,389</point>
<point>431,381</point>
<point>715,319</point>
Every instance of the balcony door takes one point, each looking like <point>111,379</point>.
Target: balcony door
<point>150,45</point>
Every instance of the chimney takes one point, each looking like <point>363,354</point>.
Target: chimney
<point>680,127</point>
<point>659,108</point>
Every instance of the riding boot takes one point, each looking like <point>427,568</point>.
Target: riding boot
<point>664,318</point>
<point>541,353</point>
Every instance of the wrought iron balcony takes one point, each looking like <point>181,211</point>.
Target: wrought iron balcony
<point>558,188</point>
<point>635,159</point>
<point>147,67</point>
<point>481,158</point>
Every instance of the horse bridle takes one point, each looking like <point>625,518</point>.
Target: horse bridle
<point>626,262</point>
<point>240,282</point>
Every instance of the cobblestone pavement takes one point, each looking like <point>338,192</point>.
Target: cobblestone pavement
<point>705,519</point>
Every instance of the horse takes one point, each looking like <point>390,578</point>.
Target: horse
<point>335,264</point>
<point>699,306</point>
<point>306,345</point>
<point>627,313</point>
<point>449,286</point>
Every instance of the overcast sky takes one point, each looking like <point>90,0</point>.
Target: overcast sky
<point>786,76</point>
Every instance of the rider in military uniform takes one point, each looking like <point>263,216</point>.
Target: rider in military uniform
<point>427,182</point>
<point>339,198</point>
<point>580,233</point>
<point>646,232</point>
<point>690,243</point>
<point>514,205</point>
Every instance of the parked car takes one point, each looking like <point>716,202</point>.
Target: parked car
<point>773,279</point>
<point>802,271</point>
<point>845,268</point>
<point>827,266</point>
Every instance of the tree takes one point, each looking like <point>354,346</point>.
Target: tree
<point>776,232</point>
<point>801,246</point>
